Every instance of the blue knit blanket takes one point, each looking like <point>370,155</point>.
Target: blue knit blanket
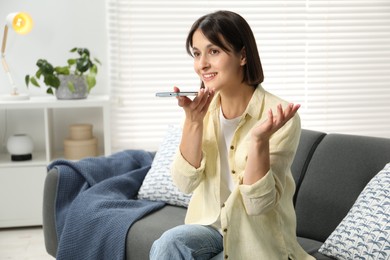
<point>96,204</point>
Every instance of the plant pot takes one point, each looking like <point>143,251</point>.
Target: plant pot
<point>80,87</point>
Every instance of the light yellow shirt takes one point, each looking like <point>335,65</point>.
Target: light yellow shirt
<point>258,221</point>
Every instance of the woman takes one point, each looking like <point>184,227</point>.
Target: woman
<point>235,154</point>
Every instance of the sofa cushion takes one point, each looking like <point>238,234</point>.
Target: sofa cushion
<point>146,230</point>
<point>365,231</point>
<point>339,170</point>
<point>311,246</point>
<point>158,184</point>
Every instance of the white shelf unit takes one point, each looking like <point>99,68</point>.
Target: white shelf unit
<point>46,120</point>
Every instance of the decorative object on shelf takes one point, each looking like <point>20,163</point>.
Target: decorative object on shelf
<point>81,142</point>
<point>20,147</point>
<point>21,23</point>
<point>80,87</point>
<point>79,73</point>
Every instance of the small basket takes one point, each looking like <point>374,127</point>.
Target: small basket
<point>81,142</point>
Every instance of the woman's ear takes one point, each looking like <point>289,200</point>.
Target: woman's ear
<point>243,57</point>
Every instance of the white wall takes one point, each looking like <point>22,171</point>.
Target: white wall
<point>59,25</point>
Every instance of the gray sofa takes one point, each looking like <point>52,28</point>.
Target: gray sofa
<point>330,171</point>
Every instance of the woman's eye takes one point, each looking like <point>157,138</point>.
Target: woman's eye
<point>214,52</point>
<point>195,54</point>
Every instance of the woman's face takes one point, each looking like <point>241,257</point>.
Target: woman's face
<point>216,68</point>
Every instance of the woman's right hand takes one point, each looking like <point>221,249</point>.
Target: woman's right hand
<point>195,109</point>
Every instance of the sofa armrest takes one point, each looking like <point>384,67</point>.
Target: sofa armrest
<point>308,143</point>
<point>49,227</point>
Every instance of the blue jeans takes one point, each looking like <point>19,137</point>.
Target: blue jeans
<point>187,242</point>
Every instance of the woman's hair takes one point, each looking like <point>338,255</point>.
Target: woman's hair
<point>230,31</point>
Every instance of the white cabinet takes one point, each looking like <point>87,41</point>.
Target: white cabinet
<point>21,195</point>
<point>46,120</point>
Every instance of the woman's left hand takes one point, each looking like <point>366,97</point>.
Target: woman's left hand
<point>264,131</point>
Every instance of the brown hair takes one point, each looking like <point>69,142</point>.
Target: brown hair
<point>236,32</point>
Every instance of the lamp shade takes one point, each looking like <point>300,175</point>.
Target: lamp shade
<point>21,23</point>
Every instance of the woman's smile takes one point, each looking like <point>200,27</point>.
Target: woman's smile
<point>209,76</point>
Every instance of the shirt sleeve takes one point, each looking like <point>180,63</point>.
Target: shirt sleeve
<point>264,194</point>
<point>185,176</point>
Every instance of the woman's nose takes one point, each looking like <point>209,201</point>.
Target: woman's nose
<point>203,62</point>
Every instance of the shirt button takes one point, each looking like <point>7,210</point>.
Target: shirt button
<point>225,230</point>
<point>233,171</point>
<point>223,205</point>
<point>232,147</point>
<point>226,257</point>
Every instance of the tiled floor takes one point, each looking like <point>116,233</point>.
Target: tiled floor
<point>23,244</point>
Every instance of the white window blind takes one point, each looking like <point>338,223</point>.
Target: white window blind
<point>332,57</point>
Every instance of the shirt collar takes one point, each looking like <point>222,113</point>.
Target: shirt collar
<point>254,108</point>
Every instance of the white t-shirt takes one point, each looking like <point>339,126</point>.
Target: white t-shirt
<point>228,127</point>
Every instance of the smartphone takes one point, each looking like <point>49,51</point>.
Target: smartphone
<point>176,94</point>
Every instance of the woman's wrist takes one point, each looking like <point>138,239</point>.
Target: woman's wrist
<point>259,142</point>
<point>258,162</point>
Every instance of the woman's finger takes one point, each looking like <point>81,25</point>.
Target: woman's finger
<point>176,89</point>
<point>292,109</point>
<point>288,110</point>
<point>201,100</point>
<point>280,115</point>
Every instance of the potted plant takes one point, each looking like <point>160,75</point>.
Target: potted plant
<point>73,81</point>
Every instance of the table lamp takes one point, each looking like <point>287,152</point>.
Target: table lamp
<point>21,23</point>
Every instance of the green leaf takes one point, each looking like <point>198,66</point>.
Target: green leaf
<point>46,68</point>
<point>82,65</point>
<point>62,70</point>
<point>93,70</point>
<point>74,49</point>
<point>52,80</point>
<point>91,82</point>
<point>40,62</point>
<point>82,51</point>
<point>27,79</point>
<point>50,91</point>
<point>38,74</point>
<point>71,62</point>
<point>71,86</point>
<point>34,82</point>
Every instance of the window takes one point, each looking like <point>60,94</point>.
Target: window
<point>332,57</point>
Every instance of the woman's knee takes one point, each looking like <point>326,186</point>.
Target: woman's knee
<point>187,242</point>
<point>170,244</point>
<point>167,239</point>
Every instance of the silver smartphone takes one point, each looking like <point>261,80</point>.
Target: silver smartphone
<point>176,94</point>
